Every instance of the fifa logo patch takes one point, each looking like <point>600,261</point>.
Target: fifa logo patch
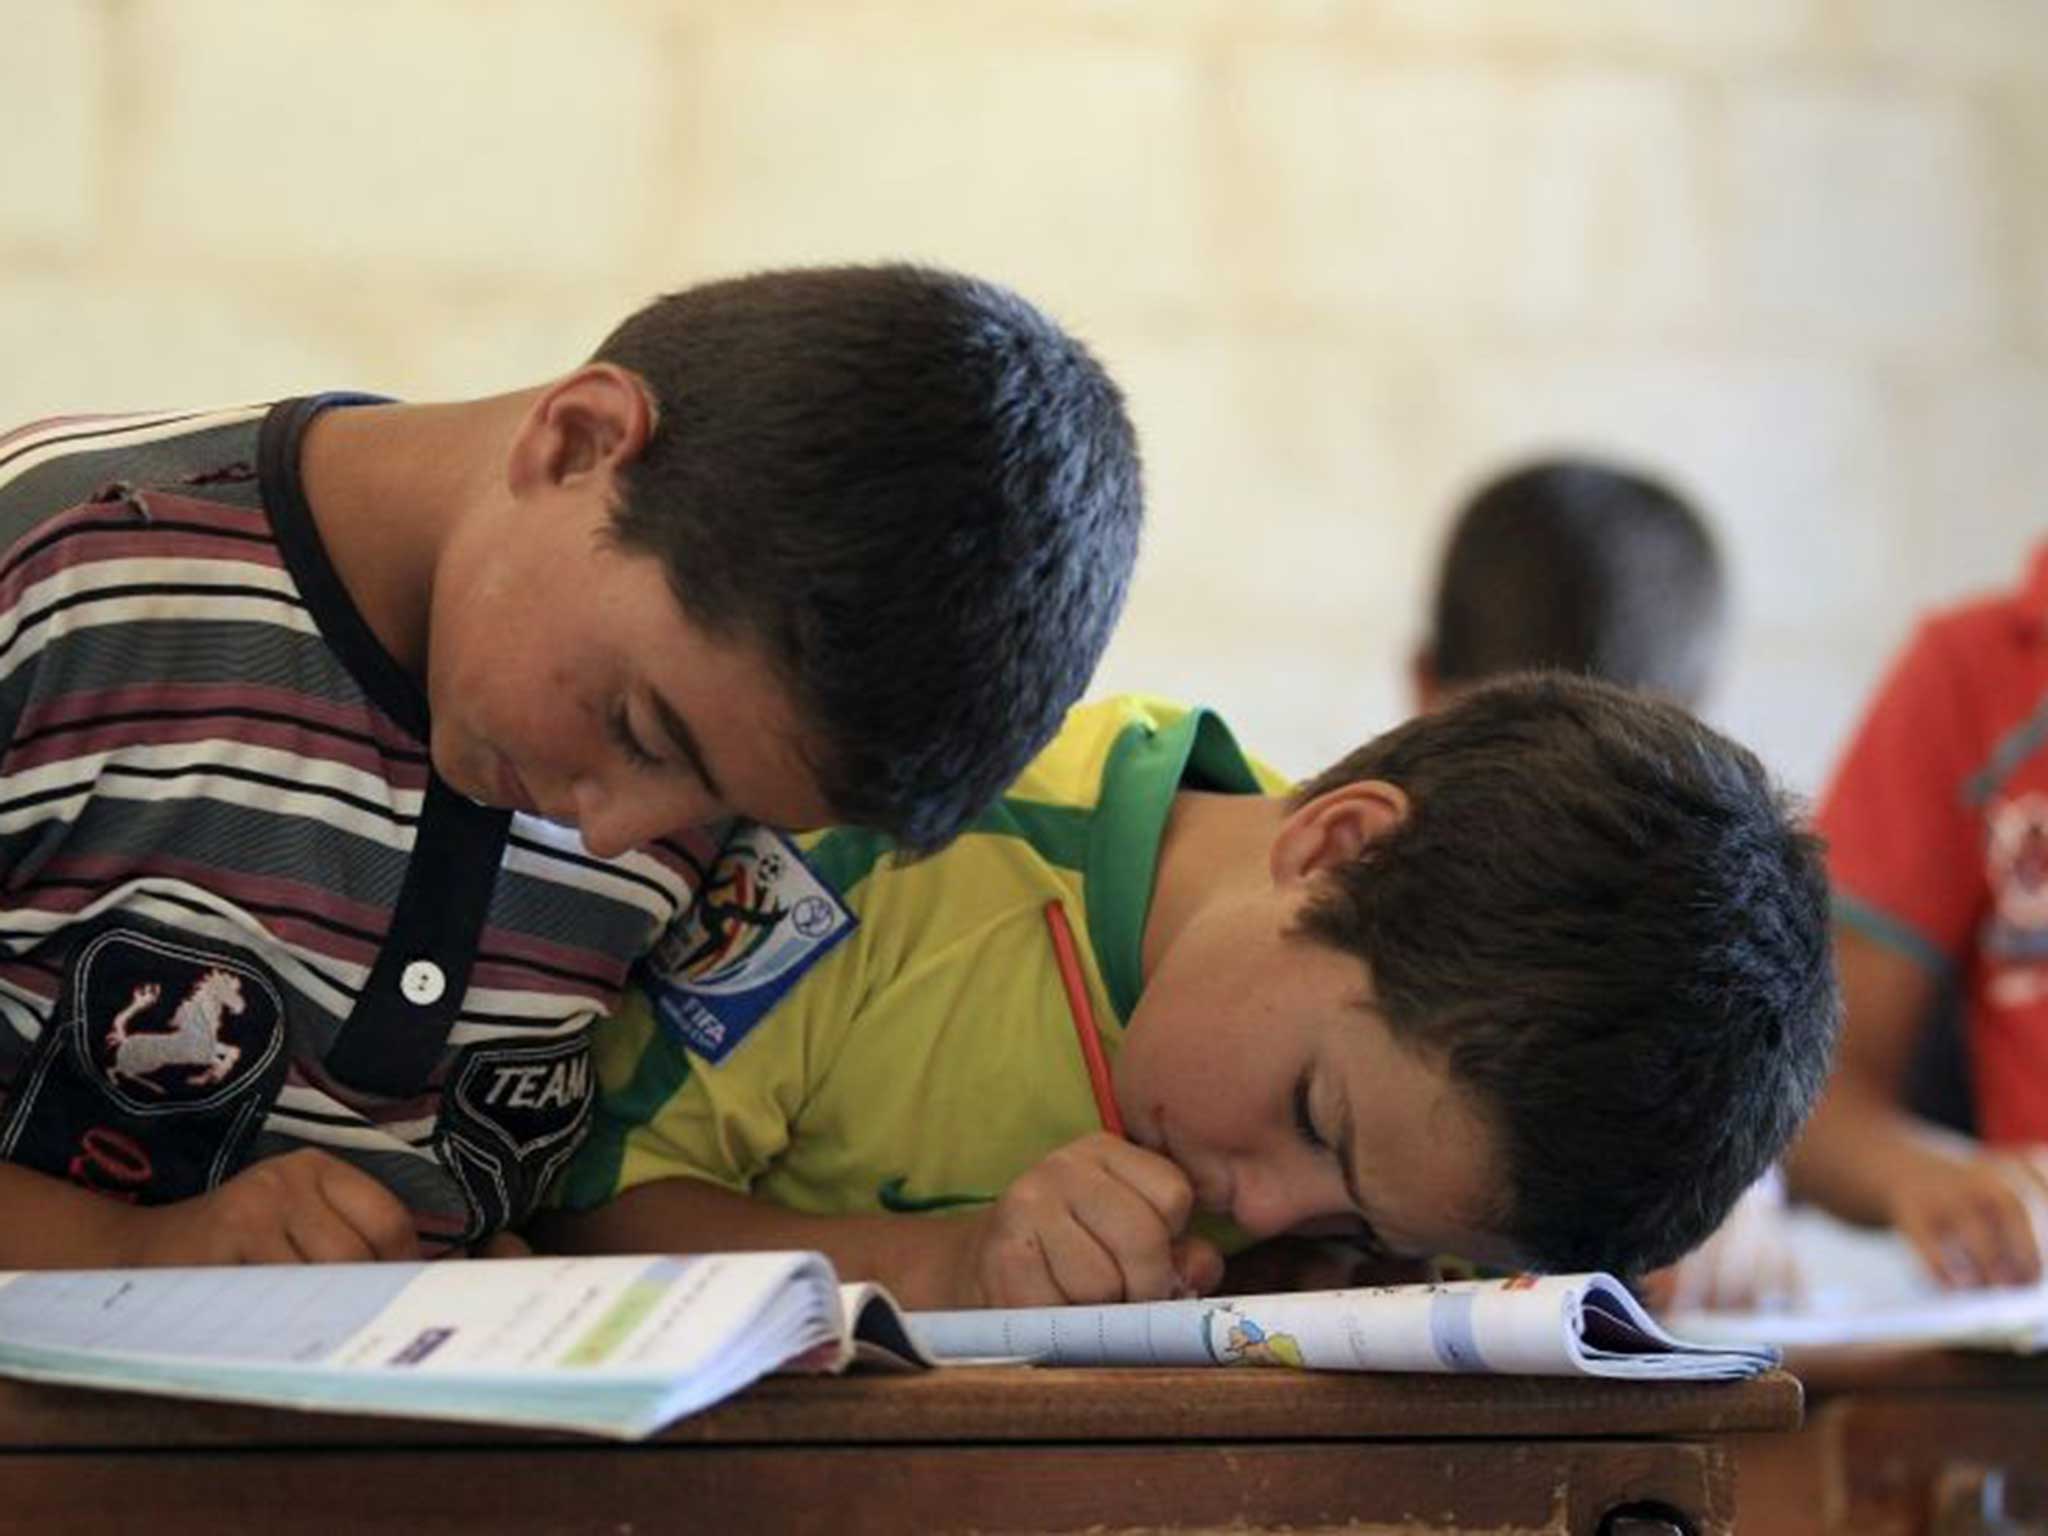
<point>763,919</point>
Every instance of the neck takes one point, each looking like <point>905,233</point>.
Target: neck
<point>389,485</point>
<point>1215,848</point>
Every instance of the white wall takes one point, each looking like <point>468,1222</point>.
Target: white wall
<point>1346,256</point>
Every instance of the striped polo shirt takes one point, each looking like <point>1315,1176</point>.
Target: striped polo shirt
<point>239,913</point>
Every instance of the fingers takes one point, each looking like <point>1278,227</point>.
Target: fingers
<point>305,1207</point>
<point>1748,1265</point>
<point>1094,1222</point>
<point>1199,1265</point>
<point>375,1220</point>
<point>1089,1238</point>
<point>1155,1179</point>
<point>2026,1169</point>
<point>1982,1225</point>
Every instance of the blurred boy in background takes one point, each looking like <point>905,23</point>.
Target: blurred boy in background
<point>1580,565</point>
<point>1937,825</point>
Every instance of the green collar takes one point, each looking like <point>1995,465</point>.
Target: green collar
<point>1145,770</point>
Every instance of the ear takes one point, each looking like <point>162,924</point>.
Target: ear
<point>1335,828</point>
<point>1422,682</point>
<point>587,423</point>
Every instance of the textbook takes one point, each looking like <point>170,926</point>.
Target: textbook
<point>620,1346</point>
<point>606,1346</point>
<point>1549,1325</point>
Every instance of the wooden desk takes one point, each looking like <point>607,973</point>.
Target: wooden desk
<point>986,1450</point>
<point>1906,1442</point>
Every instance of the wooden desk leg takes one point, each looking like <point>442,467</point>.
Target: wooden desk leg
<point>1896,1464</point>
<point>1971,1499</point>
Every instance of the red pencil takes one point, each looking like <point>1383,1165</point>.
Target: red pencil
<point>1083,1014</point>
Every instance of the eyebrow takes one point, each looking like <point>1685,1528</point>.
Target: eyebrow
<point>684,740</point>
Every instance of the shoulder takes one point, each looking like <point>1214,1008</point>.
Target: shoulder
<point>1991,628</point>
<point>1071,764</point>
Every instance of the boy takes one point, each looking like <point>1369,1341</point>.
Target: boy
<point>1586,565</point>
<point>1937,823</point>
<point>1539,978</point>
<point>355,749</point>
<point>1581,565</point>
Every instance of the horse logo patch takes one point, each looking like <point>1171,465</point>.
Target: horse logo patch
<point>170,1026</point>
<point>163,1055</point>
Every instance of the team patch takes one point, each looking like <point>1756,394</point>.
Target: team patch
<point>511,1116</point>
<point>763,919</point>
<point>159,1063</point>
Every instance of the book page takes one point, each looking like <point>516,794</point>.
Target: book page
<point>615,1346</point>
<point>1530,1325</point>
<point>654,1315</point>
<point>1861,1285</point>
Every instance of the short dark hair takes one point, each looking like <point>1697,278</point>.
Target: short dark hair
<point>1612,929</point>
<point>917,493</point>
<point>1584,566</point>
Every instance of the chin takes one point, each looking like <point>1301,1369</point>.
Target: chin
<point>457,776</point>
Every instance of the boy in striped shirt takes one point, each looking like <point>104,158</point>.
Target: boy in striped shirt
<point>355,749</point>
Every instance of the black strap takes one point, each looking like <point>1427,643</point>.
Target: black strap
<point>391,1044</point>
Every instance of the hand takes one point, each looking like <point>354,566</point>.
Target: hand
<point>304,1207</point>
<point>1098,1220</point>
<point>1748,1264</point>
<point>1976,1216</point>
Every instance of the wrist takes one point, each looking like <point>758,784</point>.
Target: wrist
<point>950,1272</point>
<point>101,1232</point>
<point>131,1236</point>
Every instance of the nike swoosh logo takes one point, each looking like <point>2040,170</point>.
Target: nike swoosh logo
<point>890,1194</point>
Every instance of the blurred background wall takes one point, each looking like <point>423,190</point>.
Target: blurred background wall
<point>1345,255</point>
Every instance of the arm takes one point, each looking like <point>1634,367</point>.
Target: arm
<point>1974,1215</point>
<point>1098,1220</point>
<point>304,1207</point>
<point>911,1255</point>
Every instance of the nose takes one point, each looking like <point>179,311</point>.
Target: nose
<point>1272,1196</point>
<point>613,822</point>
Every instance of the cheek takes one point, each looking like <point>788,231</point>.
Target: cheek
<point>1173,1062</point>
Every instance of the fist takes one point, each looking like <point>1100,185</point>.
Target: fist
<point>1099,1220</point>
<point>307,1207</point>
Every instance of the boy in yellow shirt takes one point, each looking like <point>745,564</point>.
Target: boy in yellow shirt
<point>1540,979</point>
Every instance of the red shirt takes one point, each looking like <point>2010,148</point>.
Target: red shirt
<point>1937,828</point>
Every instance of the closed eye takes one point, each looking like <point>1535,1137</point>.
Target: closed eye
<point>1304,1121</point>
<point>619,726</point>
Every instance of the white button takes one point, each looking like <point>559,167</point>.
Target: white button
<point>422,982</point>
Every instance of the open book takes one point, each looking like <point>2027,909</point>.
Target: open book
<point>1553,1325</point>
<point>609,1346</point>
<point>1862,1286</point>
<point>622,1346</point>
